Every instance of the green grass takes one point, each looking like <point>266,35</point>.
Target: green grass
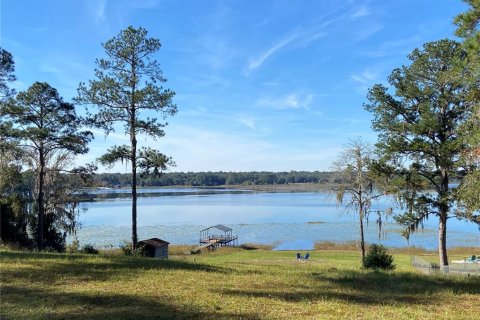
<point>227,284</point>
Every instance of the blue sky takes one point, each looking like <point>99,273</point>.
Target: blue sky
<point>261,85</point>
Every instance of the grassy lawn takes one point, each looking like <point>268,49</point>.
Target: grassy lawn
<point>227,284</point>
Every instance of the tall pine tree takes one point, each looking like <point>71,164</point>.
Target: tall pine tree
<point>128,84</point>
<point>419,132</point>
<point>44,125</point>
<point>469,29</point>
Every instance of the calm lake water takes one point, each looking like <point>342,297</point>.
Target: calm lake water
<point>290,221</point>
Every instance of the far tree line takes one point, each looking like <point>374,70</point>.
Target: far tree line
<point>212,179</point>
<point>427,118</point>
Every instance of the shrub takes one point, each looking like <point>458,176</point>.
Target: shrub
<point>73,247</point>
<point>249,246</point>
<point>254,246</point>
<point>195,251</point>
<point>126,247</point>
<point>378,258</point>
<point>89,249</point>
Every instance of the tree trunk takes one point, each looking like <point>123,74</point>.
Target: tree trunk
<point>362,238</point>
<point>41,213</point>
<point>442,240</point>
<point>133,140</point>
<point>442,220</point>
<point>134,192</point>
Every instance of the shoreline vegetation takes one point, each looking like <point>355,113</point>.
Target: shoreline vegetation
<point>181,249</point>
<point>93,194</point>
<point>288,187</point>
<point>230,283</point>
<point>352,246</point>
<point>215,179</point>
<point>292,187</point>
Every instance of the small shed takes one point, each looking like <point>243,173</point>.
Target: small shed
<point>155,248</point>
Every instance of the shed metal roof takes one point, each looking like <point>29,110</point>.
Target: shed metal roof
<point>154,242</point>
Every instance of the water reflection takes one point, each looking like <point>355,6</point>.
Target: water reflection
<point>291,220</point>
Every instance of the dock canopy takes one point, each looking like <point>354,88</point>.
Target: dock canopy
<point>208,238</point>
<point>219,227</point>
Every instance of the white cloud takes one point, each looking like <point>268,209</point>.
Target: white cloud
<point>300,38</point>
<point>395,47</point>
<point>213,46</point>
<point>202,149</point>
<point>360,12</point>
<point>98,11</point>
<point>257,62</point>
<point>248,122</point>
<point>367,77</point>
<point>367,31</point>
<point>270,83</point>
<point>65,70</point>
<point>144,4</point>
<point>49,68</point>
<point>289,101</point>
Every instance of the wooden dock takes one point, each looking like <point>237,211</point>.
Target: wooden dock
<point>218,240</point>
<point>209,246</point>
<point>212,241</point>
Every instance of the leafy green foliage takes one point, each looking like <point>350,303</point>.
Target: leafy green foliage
<point>419,133</point>
<point>127,83</point>
<point>115,154</point>
<point>358,182</point>
<point>15,196</point>
<point>48,133</point>
<point>73,247</point>
<point>211,179</point>
<point>378,258</point>
<point>153,162</point>
<point>149,161</point>
<point>89,249</point>
<point>127,249</point>
<point>43,121</point>
<point>14,220</point>
<point>7,67</point>
<point>469,193</point>
<point>469,29</point>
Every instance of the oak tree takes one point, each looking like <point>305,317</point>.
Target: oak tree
<point>359,186</point>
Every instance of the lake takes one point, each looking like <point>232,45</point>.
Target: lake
<point>290,221</point>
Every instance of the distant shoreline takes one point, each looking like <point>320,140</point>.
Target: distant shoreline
<point>291,187</point>
<point>99,194</point>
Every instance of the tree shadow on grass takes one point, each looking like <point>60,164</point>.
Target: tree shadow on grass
<point>369,288</point>
<point>37,303</point>
<point>85,268</point>
<point>392,283</point>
